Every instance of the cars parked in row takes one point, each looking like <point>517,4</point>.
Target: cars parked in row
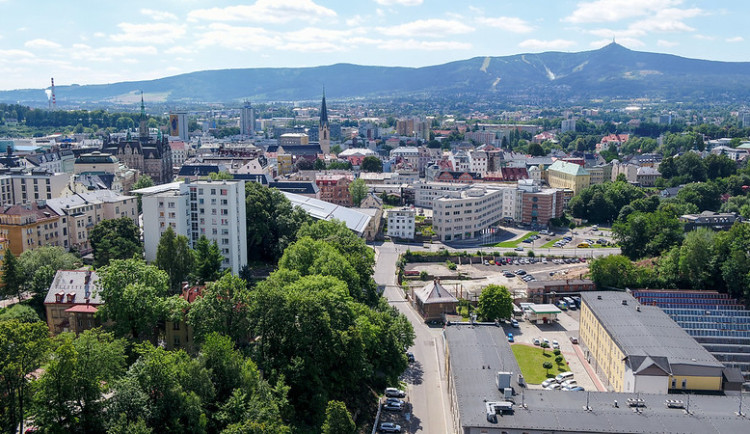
<point>390,427</point>
<point>393,392</point>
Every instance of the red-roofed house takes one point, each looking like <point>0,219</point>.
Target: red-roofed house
<point>71,302</point>
<point>433,301</point>
<point>612,139</point>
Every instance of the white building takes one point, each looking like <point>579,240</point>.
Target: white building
<point>215,209</point>
<point>425,193</point>
<point>512,204</point>
<point>18,186</point>
<point>467,214</point>
<point>401,223</point>
<point>568,125</point>
<point>478,162</point>
<point>247,120</point>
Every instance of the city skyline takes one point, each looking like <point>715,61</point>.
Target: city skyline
<point>78,44</point>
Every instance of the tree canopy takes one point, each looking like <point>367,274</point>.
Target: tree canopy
<point>358,191</point>
<point>495,303</point>
<point>272,222</point>
<point>371,163</point>
<point>115,239</point>
<point>174,256</point>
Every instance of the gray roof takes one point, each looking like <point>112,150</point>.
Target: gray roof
<point>478,353</point>
<point>74,281</point>
<point>646,333</point>
<point>434,292</point>
<point>354,220</point>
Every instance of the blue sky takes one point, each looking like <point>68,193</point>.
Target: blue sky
<point>86,42</point>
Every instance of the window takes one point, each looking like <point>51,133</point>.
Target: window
<point>176,325</point>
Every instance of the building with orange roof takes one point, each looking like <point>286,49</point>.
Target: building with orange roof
<point>30,225</point>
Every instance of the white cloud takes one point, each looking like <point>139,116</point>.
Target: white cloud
<point>434,28</point>
<point>178,50</point>
<point>399,2</point>
<point>238,37</point>
<point>41,44</point>
<point>666,44</point>
<point>555,44</point>
<point>355,21</point>
<point>735,39</point>
<point>616,10</point>
<point>664,21</point>
<point>411,44</point>
<point>159,15</point>
<point>106,54</point>
<point>266,11</point>
<point>7,55</point>
<point>510,24</point>
<point>151,33</point>
<point>704,37</point>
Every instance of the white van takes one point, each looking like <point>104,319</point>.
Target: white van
<point>564,376</point>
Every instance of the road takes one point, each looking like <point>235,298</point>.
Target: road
<point>427,389</point>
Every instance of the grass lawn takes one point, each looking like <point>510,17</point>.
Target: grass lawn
<point>514,243</point>
<point>530,360</point>
<point>551,243</point>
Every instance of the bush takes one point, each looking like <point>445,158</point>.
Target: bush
<point>556,352</point>
<point>451,266</point>
<point>558,359</point>
<point>510,254</point>
<point>423,275</point>
<point>531,254</point>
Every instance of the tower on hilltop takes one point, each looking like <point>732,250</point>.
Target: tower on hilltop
<point>324,131</point>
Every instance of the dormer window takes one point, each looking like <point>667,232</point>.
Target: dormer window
<point>71,297</point>
<point>59,297</point>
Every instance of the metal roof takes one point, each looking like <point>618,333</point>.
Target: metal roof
<point>434,292</point>
<point>354,220</point>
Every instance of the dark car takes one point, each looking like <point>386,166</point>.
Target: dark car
<point>393,406</point>
<point>410,357</point>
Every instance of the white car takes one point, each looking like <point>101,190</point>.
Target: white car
<point>545,340</point>
<point>569,383</point>
<point>536,341</point>
<point>555,345</point>
<point>546,383</point>
<point>553,386</point>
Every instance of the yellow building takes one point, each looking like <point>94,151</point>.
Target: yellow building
<point>29,226</point>
<point>562,174</point>
<point>641,349</point>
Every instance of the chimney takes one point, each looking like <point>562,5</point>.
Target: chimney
<point>87,277</point>
<point>624,302</point>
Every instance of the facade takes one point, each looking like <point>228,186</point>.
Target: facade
<point>540,205</point>
<point>647,176</point>
<point>334,188</point>
<point>72,301</point>
<point>105,165</point>
<point>179,334</point>
<point>542,290</point>
<point>17,186</point>
<point>433,301</point>
<point>571,176</point>
<point>417,157</point>
<point>413,127</point>
<point>247,120</point>
<point>80,212</point>
<point>401,223</point>
<point>29,226</point>
<point>639,348</point>
<point>425,193</point>
<point>179,153</point>
<point>295,139</point>
<point>215,209</point>
<point>467,214</point>
<point>567,125</point>
<point>178,125</point>
<point>52,161</point>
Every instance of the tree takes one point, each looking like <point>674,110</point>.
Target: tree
<point>358,191</point>
<point>558,359</point>
<point>547,366</point>
<point>173,255</point>
<point>336,149</point>
<point>495,303</point>
<point>220,175</point>
<point>19,312</point>
<point>704,195</point>
<point>14,280</point>
<point>272,223</point>
<point>23,349</point>
<point>304,164</point>
<point>614,271</point>
<point>371,163</point>
<point>319,165</point>
<point>223,309</point>
<point>696,256</point>
<point>133,295</point>
<point>647,234</point>
<point>41,264</point>
<point>144,181</point>
<point>338,420</point>
<point>536,150</point>
<point>208,260</point>
<point>69,394</point>
<point>115,239</point>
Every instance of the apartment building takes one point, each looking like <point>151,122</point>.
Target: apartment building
<point>80,212</point>
<point>334,188</point>
<point>417,157</point>
<point>640,348</point>
<point>215,209</point>
<point>30,225</point>
<point>539,205</point>
<point>571,176</point>
<point>401,223</point>
<point>466,214</point>
<point>19,186</point>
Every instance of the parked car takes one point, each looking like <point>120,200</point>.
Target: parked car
<point>545,340</point>
<point>514,323</point>
<point>575,389</point>
<point>564,376</point>
<point>520,272</point>
<point>393,406</point>
<point>510,337</point>
<point>569,383</point>
<point>536,341</point>
<point>393,392</point>
<point>519,249</point>
<point>410,356</point>
<point>546,383</point>
<point>553,386</point>
<point>555,345</point>
<point>573,340</point>
<point>390,427</point>
<point>394,401</point>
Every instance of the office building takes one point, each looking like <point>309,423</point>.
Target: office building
<point>467,214</point>
<point>215,209</point>
<point>639,348</point>
<point>178,125</point>
<point>247,120</point>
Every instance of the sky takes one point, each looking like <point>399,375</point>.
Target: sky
<point>94,42</point>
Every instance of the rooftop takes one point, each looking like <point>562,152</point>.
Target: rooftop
<point>568,168</point>
<point>434,292</point>
<point>647,331</point>
<point>81,283</point>
<point>322,210</point>
<point>477,353</point>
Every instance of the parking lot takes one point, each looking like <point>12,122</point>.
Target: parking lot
<point>560,331</point>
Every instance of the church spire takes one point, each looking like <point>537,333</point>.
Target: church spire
<point>143,126</point>
<point>323,110</point>
<point>324,132</point>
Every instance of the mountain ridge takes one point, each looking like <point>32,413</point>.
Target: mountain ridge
<point>611,72</point>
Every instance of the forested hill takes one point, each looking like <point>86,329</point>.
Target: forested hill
<point>612,72</point>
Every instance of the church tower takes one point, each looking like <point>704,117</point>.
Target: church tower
<point>143,126</point>
<point>324,130</point>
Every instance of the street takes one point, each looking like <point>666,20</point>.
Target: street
<point>426,381</point>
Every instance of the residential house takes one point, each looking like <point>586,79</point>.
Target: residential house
<point>72,302</point>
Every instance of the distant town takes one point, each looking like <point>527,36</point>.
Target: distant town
<point>357,267</point>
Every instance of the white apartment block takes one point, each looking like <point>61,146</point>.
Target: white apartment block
<point>401,223</point>
<point>425,193</point>
<point>512,204</point>
<point>215,209</point>
<point>467,214</point>
<point>478,162</point>
<point>17,186</point>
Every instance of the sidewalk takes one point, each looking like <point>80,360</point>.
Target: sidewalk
<point>589,369</point>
